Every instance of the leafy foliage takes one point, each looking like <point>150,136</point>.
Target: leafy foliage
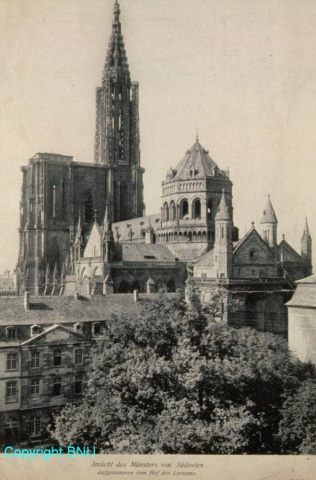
<point>175,379</point>
<point>298,424</point>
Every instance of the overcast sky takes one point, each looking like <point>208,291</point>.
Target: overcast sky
<point>242,72</point>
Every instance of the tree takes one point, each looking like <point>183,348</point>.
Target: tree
<point>176,380</point>
<point>298,423</point>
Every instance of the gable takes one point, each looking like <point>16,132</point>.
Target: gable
<point>93,247</point>
<point>252,250</point>
<point>55,334</point>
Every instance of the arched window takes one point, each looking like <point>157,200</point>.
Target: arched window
<point>121,134</point>
<point>88,208</point>
<point>209,209</point>
<point>197,208</point>
<point>172,210</point>
<point>165,212</point>
<point>171,286</point>
<point>184,209</point>
<point>54,255</point>
<point>123,201</point>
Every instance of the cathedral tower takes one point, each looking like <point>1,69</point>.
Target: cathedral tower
<point>55,188</point>
<point>191,194</point>
<point>117,131</point>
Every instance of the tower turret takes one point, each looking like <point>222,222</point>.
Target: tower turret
<point>223,248</point>
<point>269,224</point>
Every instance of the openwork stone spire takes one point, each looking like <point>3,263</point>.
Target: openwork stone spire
<point>116,58</point>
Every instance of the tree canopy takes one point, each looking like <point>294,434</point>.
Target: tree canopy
<point>175,379</point>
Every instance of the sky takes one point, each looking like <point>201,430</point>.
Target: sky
<point>241,72</point>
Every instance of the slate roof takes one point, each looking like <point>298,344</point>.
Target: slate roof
<point>207,259</point>
<point>198,160</point>
<point>143,252</point>
<point>305,295</point>
<point>285,248</point>
<point>134,228</point>
<point>310,279</point>
<point>66,309</point>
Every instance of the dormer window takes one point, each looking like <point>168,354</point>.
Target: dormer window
<point>96,328</point>
<point>11,333</point>
<point>78,327</point>
<point>35,330</point>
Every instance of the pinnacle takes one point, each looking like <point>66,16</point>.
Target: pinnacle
<point>306,233</point>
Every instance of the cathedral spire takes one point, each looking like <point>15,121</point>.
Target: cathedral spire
<point>116,58</point>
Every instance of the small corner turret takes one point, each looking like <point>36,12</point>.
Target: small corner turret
<point>223,248</point>
<point>269,224</point>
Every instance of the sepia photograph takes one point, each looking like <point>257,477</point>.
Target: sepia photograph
<point>157,215</point>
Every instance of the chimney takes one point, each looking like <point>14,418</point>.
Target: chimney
<point>136,296</point>
<point>27,300</point>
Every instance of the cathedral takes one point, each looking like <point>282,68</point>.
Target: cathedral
<point>83,228</point>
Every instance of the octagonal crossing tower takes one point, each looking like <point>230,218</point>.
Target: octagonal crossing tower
<point>191,194</point>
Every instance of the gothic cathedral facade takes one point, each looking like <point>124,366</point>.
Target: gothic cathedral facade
<point>56,191</point>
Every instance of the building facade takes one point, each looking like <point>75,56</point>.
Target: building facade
<point>45,348</point>
<point>302,320</point>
